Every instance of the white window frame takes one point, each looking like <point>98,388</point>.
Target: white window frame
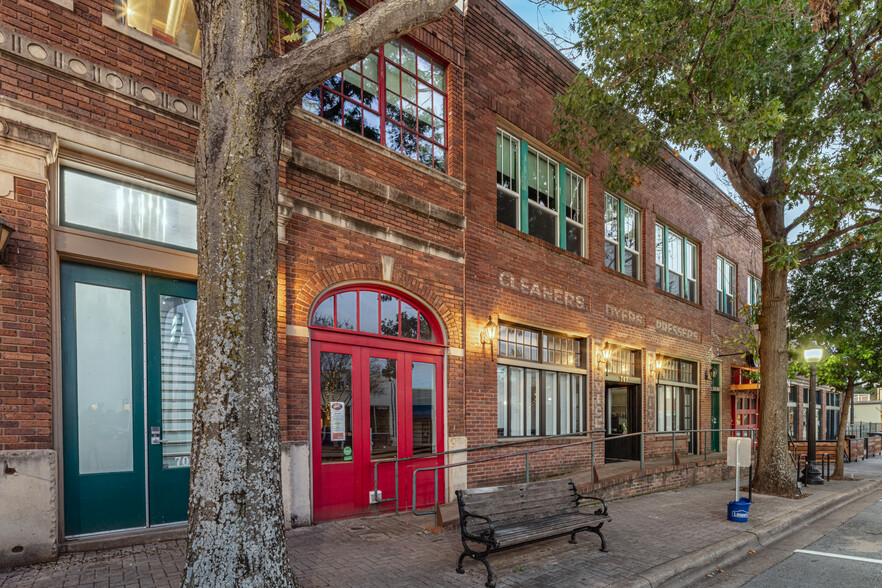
<point>622,208</point>
<point>727,276</point>
<point>689,271</point>
<point>576,185</point>
<point>754,290</point>
<point>548,373</point>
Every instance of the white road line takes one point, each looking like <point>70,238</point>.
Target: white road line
<point>821,553</point>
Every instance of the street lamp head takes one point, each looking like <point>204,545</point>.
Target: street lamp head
<point>813,353</point>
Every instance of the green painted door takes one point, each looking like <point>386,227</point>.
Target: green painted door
<point>716,376</point>
<point>128,348</point>
<point>171,370</point>
<point>102,399</point>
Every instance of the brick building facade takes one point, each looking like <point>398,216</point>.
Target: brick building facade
<point>395,251</point>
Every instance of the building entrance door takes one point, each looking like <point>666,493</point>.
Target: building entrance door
<point>128,368</point>
<point>622,417</point>
<point>377,382</point>
<point>372,405</point>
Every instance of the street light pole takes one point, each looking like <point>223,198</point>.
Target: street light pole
<point>811,474</point>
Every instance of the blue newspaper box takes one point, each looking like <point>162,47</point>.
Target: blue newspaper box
<point>738,510</point>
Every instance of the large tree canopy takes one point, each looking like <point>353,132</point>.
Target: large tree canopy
<point>784,96</point>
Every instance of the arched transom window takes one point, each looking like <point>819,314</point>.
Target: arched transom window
<point>376,311</point>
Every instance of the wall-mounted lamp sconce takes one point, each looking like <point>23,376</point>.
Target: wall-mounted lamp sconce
<point>711,374</point>
<point>604,353</point>
<point>5,231</point>
<point>488,334</point>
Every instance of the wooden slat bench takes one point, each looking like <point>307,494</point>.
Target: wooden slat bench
<point>503,517</point>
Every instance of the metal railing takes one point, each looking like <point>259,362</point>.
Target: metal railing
<point>691,434</point>
<point>862,429</point>
<point>490,447</point>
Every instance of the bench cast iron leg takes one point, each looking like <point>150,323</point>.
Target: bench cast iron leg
<point>602,538</point>
<point>459,569</point>
<point>573,538</point>
<point>491,579</point>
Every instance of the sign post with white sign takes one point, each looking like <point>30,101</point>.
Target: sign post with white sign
<point>738,456</point>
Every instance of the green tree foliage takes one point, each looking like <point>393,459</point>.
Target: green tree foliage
<point>838,302</point>
<point>783,96</point>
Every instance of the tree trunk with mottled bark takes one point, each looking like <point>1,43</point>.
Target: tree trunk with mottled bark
<point>847,397</point>
<point>773,473</point>
<point>236,529</point>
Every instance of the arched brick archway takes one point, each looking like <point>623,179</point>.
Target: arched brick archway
<point>338,275</point>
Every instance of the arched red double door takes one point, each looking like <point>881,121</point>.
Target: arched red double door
<point>377,376</point>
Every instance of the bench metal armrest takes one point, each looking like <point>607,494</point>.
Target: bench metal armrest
<point>484,537</point>
<point>598,498</point>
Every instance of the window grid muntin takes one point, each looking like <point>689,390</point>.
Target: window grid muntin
<point>507,176</point>
<point>679,370</point>
<point>424,327</point>
<point>535,198</point>
<point>418,139</point>
<point>624,362</point>
<point>539,346</point>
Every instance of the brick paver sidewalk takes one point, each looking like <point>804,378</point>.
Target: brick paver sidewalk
<point>396,551</point>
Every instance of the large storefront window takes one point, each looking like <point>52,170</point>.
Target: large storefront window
<point>172,21</point>
<point>676,395</point>
<point>548,399</point>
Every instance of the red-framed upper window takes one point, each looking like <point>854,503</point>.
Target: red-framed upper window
<point>375,310</point>
<point>396,96</point>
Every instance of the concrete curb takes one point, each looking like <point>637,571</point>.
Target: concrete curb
<point>687,569</point>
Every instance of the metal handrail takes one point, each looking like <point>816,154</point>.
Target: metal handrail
<point>527,453</point>
<point>397,460</point>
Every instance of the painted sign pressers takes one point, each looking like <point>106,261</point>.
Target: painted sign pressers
<point>666,328</point>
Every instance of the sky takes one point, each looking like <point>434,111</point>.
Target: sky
<point>543,17</point>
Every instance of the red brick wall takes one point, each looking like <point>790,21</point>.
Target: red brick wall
<point>25,397</point>
<point>511,78</point>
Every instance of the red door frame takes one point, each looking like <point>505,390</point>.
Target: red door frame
<point>341,489</point>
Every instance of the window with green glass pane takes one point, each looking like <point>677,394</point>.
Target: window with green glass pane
<point>538,195</point>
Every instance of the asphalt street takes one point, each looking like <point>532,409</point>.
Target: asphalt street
<point>849,555</point>
<point>843,549</point>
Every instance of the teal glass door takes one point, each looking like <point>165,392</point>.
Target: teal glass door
<point>128,371</point>
<point>171,372</point>
<point>102,399</point>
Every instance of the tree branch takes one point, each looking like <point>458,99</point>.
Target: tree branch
<point>288,77</point>
<point>813,246</point>
<point>834,253</point>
